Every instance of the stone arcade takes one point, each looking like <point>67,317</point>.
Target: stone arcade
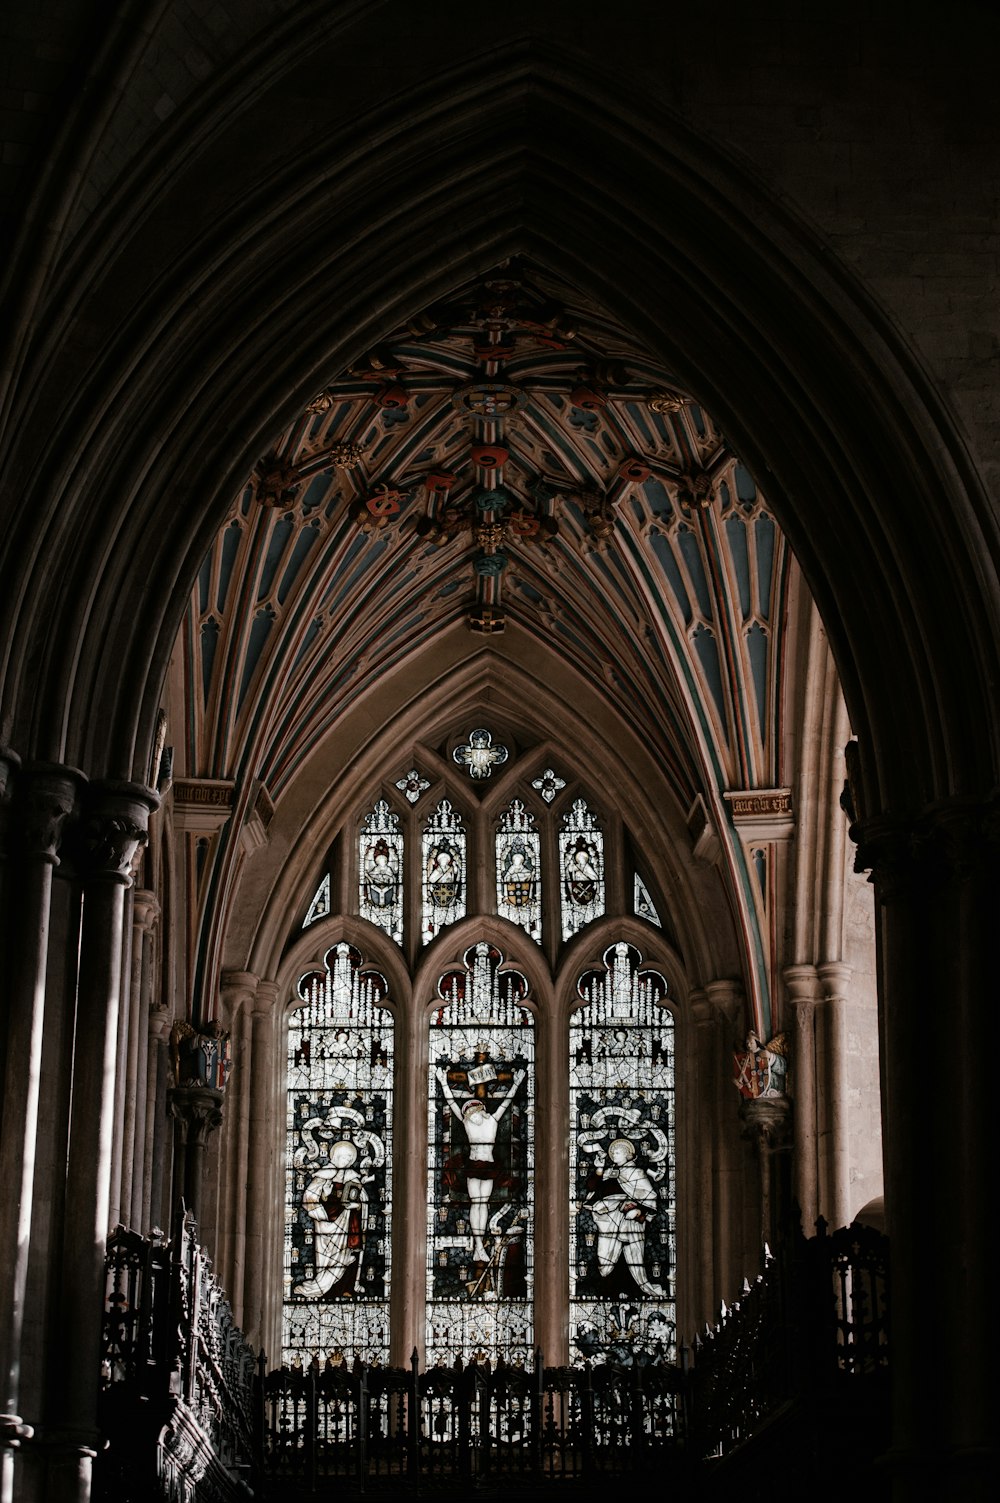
<point>467,477</point>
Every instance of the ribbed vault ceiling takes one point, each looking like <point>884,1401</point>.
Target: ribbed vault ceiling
<point>510,462</point>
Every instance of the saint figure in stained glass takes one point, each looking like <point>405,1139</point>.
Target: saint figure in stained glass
<point>381,853</point>
<point>518,861</point>
<point>338,1164</point>
<point>622,1164</point>
<point>336,1199</point>
<point>444,870</point>
<point>581,858</point>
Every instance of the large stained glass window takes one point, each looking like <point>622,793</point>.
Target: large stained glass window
<point>380,870</point>
<point>480,1212</point>
<point>443,886</point>
<point>519,870</point>
<point>581,868</point>
<point>622,1181</point>
<point>338,1164</point>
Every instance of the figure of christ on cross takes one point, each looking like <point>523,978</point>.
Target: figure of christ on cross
<point>481,1132</point>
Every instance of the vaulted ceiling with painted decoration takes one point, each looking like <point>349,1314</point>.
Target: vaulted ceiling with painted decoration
<point>511,462</point>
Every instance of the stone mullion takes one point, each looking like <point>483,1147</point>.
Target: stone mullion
<point>116,824</point>
<point>42,804</point>
<point>551,1167</point>
<point>407,1297</point>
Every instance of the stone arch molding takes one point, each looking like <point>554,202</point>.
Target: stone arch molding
<point>521,149</point>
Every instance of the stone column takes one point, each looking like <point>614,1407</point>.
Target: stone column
<point>156,1167</point>
<point>802,987</point>
<point>937,880</point>
<point>144,911</point>
<point>767,1125</point>
<point>115,824</point>
<point>239,989</point>
<point>46,796</point>
<point>261,1188</point>
<point>831,1061</point>
<point>728,1254</point>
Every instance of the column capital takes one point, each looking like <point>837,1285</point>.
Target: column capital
<point>238,987</point>
<point>726,998</point>
<point>767,1122</point>
<point>115,824</point>
<point>48,794</point>
<point>266,996</point>
<point>945,844</point>
<point>801,983</point>
<point>198,1109</point>
<point>145,909</point>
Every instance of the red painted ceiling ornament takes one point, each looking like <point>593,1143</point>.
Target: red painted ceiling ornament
<point>589,398</point>
<point>440,480</point>
<point>485,350</point>
<point>633,470</point>
<point>523,525</point>
<point>384,502</point>
<point>393,395</point>
<point>490,456</point>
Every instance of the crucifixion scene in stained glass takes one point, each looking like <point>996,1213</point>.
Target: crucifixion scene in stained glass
<point>480,1231</point>
<point>622,1156</point>
<point>338,1164</point>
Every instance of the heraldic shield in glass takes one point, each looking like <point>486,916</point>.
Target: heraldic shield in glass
<point>480,1219</point>
<point>338,1165</point>
<point>622,1232</point>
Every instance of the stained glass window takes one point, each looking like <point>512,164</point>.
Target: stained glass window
<point>581,868</point>
<point>338,1164</point>
<point>320,905</point>
<point>622,1180</point>
<point>480,1212</point>
<point>643,904</point>
<point>381,871</point>
<point>519,870</point>
<point>443,885</point>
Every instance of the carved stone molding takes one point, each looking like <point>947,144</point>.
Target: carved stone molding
<point>767,1122</point>
<point>13,1431</point>
<point>944,845</point>
<point>145,909</point>
<point>48,794</point>
<point>198,1110</point>
<point>112,829</point>
<point>9,763</point>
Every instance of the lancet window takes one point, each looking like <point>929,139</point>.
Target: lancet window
<point>338,1163</point>
<point>380,870</point>
<point>581,868</point>
<point>622,1178</point>
<point>480,1200</point>
<point>444,848</point>
<point>519,869</point>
